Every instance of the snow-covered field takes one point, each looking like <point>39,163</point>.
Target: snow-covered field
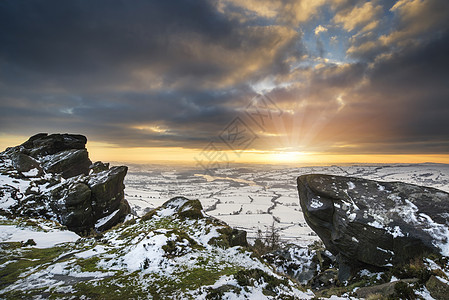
<point>253,197</point>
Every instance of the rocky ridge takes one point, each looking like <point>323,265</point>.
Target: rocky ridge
<point>175,251</point>
<point>51,176</point>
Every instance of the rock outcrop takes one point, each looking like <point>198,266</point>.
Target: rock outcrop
<point>182,208</point>
<point>369,223</point>
<point>48,176</point>
<point>64,154</point>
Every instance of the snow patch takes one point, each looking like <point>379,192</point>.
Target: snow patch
<point>315,203</point>
<point>395,232</point>
<point>376,224</point>
<point>11,233</point>
<point>106,219</point>
<point>31,173</point>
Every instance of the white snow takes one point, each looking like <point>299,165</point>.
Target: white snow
<point>316,203</point>
<point>351,185</point>
<point>424,293</point>
<point>11,233</point>
<point>351,217</point>
<point>106,219</point>
<point>149,250</point>
<point>65,269</point>
<point>31,173</point>
<point>442,280</point>
<point>376,224</point>
<point>395,232</point>
<point>91,252</point>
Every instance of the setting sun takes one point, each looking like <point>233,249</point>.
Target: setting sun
<point>287,157</point>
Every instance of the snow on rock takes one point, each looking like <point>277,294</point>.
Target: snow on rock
<point>101,222</point>
<point>47,177</point>
<point>316,203</point>
<point>392,224</point>
<point>147,254</point>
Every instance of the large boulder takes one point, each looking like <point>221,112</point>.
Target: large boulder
<point>24,163</point>
<point>48,177</point>
<point>370,223</point>
<point>64,154</point>
<point>438,287</point>
<point>43,144</point>
<point>185,209</point>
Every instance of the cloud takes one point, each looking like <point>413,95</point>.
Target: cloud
<point>413,22</point>
<point>115,69</point>
<point>396,105</point>
<point>139,45</point>
<point>152,73</point>
<point>362,16</point>
<point>415,18</point>
<point>289,12</point>
<point>320,29</point>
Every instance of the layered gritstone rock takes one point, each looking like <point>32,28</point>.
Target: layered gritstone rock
<point>48,177</point>
<point>370,223</point>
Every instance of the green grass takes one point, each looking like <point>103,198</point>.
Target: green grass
<point>30,258</point>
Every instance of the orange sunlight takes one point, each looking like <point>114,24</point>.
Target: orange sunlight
<point>108,152</point>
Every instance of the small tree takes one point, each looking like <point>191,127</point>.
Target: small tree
<point>272,237</point>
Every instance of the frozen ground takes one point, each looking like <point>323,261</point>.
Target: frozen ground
<point>253,197</point>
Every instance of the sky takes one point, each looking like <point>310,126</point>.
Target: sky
<point>218,81</point>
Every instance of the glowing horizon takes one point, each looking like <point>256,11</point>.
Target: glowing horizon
<point>100,151</point>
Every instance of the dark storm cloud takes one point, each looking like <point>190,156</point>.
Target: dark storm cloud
<point>174,73</point>
<point>415,85</point>
<point>74,42</point>
<point>190,117</point>
<point>81,37</point>
<point>93,66</point>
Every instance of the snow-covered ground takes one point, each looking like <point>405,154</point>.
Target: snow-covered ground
<point>44,233</point>
<point>253,197</point>
<point>43,239</point>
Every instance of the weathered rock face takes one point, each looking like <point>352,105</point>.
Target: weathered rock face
<point>63,154</point>
<point>366,222</point>
<point>71,202</point>
<point>107,190</point>
<point>437,288</point>
<point>43,144</point>
<point>32,184</point>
